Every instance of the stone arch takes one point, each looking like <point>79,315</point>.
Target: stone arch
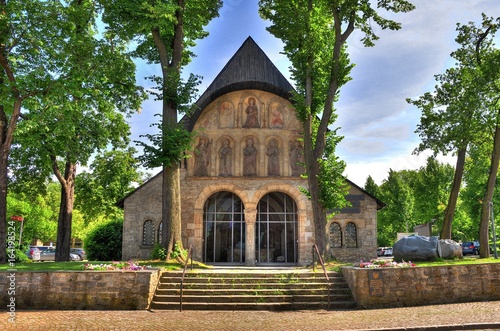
<point>197,239</point>
<point>211,189</point>
<point>292,191</point>
<point>301,203</point>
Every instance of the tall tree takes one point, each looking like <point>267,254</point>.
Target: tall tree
<point>30,41</point>
<point>480,42</point>
<point>315,33</point>
<point>463,110</point>
<point>164,31</point>
<point>372,187</point>
<point>397,216</point>
<point>431,186</point>
<point>96,85</point>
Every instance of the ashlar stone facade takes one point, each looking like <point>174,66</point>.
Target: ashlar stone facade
<point>241,186</point>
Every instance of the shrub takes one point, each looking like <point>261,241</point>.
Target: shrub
<point>158,252</point>
<point>104,243</point>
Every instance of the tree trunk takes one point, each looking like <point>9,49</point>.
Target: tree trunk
<point>172,208</point>
<point>3,204</point>
<point>6,135</point>
<point>488,197</point>
<point>171,65</point>
<point>455,190</point>
<point>64,223</point>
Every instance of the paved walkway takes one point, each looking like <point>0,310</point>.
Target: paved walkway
<point>462,316</point>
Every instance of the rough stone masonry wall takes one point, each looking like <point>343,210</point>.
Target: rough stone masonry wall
<point>407,287</point>
<point>91,290</point>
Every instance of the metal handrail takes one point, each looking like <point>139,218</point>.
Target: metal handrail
<point>189,255</point>
<point>320,259</point>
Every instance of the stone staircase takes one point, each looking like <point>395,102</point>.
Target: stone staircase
<point>264,289</point>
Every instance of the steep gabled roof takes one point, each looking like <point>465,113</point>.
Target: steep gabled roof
<point>249,68</point>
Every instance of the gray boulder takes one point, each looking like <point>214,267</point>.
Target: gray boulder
<point>416,248</point>
<point>449,249</point>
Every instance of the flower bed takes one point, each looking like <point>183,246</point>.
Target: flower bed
<point>379,263</point>
<point>122,266</point>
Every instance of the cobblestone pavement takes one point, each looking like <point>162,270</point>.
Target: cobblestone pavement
<point>462,316</point>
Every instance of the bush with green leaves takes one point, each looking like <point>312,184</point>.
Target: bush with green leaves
<point>104,243</point>
<point>158,252</point>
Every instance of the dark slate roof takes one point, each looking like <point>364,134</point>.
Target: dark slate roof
<point>249,68</point>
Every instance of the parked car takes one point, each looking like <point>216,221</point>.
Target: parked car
<point>80,252</point>
<point>384,251</point>
<point>33,253</point>
<point>50,255</point>
<point>470,247</point>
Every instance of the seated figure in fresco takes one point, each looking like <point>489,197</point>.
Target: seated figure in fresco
<point>276,116</point>
<point>297,158</point>
<point>225,164</point>
<point>273,152</point>
<point>252,114</point>
<point>202,158</point>
<point>249,159</point>
<point>226,115</point>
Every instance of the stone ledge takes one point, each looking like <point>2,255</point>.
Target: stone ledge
<point>407,287</point>
<point>93,290</point>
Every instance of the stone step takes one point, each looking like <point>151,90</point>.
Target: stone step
<point>274,306</point>
<point>252,285</point>
<point>251,298</point>
<point>251,291</point>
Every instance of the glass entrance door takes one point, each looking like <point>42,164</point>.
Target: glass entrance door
<point>224,229</point>
<point>276,229</point>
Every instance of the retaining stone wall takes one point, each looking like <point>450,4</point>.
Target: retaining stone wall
<point>93,290</point>
<point>407,287</point>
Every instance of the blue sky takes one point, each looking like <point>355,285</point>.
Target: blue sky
<point>376,122</point>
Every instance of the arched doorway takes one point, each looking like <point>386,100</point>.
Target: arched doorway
<point>224,229</point>
<point>276,229</point>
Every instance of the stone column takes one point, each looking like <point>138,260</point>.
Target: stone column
<point>250,219</point>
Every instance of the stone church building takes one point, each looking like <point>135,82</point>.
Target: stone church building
<point>240,189</point>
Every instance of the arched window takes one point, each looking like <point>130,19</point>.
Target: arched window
<point>160,228</point>
<point>224,228</point>
<point>276,229</point>
<point>335,235</point>
<point>148,233</point>
<point>351,236</point>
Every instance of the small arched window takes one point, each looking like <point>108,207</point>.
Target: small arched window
<point>148,233</point>
<point>351,236</point>
<point>335,235</point>
<point>160,228</point>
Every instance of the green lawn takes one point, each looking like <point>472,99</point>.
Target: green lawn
<point>74,265</point>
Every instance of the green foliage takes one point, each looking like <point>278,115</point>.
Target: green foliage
<point>112,175</point>
<point>21,256</point>
<point>167,147</point>
<point>332,183</point>
<point>158,252</point>
<point>372,187</point>
<point>39,211</point>
<point>179,252</point>
<point>104,243</point>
